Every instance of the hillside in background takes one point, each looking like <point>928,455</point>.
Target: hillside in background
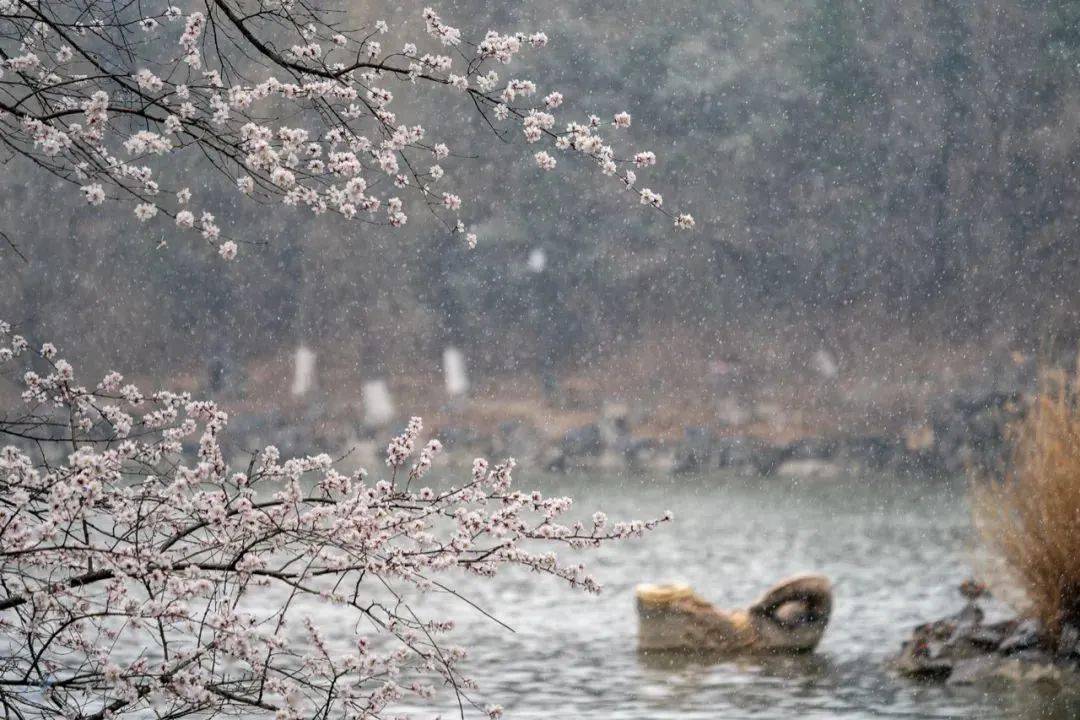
<point>887,204</point>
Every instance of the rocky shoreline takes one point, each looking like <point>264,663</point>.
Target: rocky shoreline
<point>962,431</point>
<point>964,650</point>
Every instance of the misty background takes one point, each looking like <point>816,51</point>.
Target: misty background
<point>886,197</point>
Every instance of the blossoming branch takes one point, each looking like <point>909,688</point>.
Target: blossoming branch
<point>288,99</point>
<point>141,569</point>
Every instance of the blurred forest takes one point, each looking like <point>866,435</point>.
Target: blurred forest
<point>893,183</point>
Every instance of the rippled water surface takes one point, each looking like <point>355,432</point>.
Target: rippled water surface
<point>895,549</point>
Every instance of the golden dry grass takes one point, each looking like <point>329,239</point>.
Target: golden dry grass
<point>1029,519</point>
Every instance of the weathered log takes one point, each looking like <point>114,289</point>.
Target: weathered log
<point>790,617</point>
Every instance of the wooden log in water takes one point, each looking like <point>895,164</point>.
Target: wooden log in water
<point>790,617</point>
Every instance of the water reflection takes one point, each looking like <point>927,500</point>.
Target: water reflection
<point>799,666</point>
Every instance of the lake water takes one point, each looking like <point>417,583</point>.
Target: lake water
<point>895,549</point>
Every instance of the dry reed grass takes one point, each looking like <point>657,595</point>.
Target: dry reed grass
<point>1029,519</point>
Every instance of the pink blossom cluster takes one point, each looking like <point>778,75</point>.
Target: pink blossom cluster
<point>143,571</point>
<point>290,100</point>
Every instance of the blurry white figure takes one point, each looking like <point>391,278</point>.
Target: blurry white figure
<point>303,371</point>
<point>378,405</point>
<point>537,260</point>
<point>457,382</point>
<point>730,413</point>
<point>825,364</point>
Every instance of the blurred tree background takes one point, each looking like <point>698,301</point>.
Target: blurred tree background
<point>879,169</point>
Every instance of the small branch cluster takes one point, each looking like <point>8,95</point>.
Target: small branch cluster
<point>285,99</point>
<point>141,570</point>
